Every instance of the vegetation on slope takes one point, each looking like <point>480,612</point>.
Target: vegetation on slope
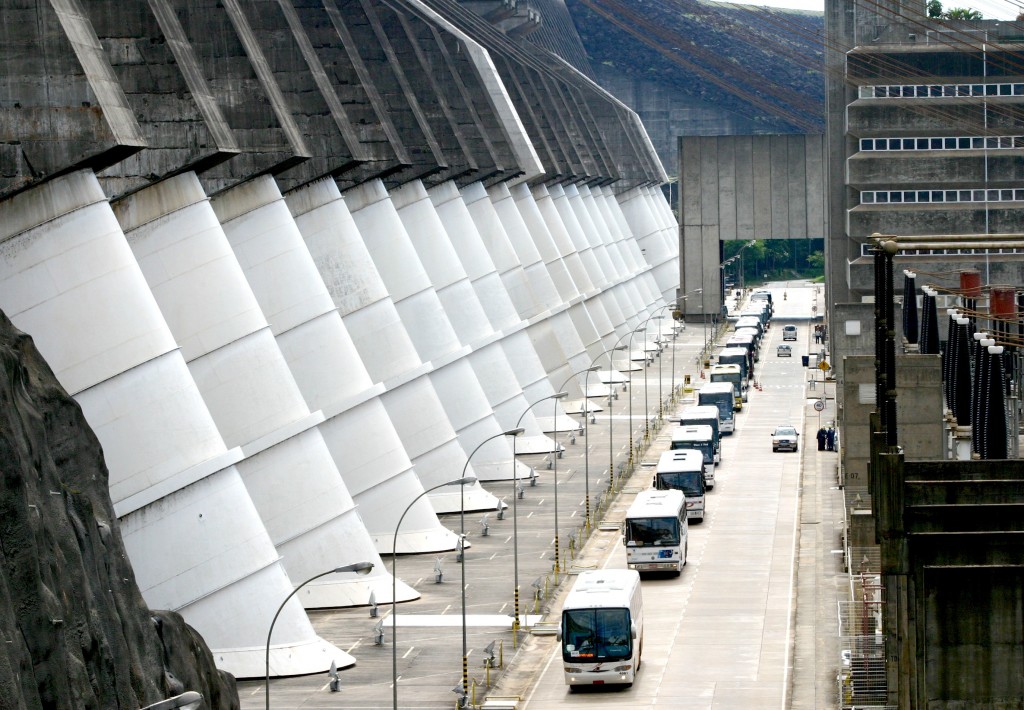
<point>759,62</point>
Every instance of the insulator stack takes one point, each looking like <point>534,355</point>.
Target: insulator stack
<point>929,340</point>
<point>879,266</point>
<point>980,402</point>
<point>910,319</point>
<point>888,305</point>
<point>993,441</point>
<point>961,374</point>
<point>948,355</point>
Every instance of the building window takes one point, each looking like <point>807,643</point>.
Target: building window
<point>895,197</point>
<point>943,143</point>
<point>940,90</point>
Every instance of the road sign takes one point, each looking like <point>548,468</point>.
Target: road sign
<point>824,366</point>
<point>818,405</point>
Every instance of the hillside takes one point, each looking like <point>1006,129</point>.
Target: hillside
<point>763,64</point>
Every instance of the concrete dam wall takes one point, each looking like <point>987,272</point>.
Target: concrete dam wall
<point>295,260</point>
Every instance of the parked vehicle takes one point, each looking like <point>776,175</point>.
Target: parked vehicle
<point>708,416</point>
<point>723,396</point>
<point>744,341</point>
<point>738,356</point>
<point>751,322</point>
<point>760,310</point>
<point>655,531</point>
<point>699,437</point>
<point>733,374</point>
<point>764,297</point>
<point>602,628</point>
<point>683,471</point>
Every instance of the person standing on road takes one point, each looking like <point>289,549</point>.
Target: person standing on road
<point>821,439</point>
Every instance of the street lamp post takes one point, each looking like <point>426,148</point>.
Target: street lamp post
<point>647,409</point>
<point>631,334</point>
<point>677,315</point>
<point>586,444</point>
<point>661,400</point>
<point>357,567</point>
<point>462,536</point>
<point>515,511</point>
<point>611,454</point>
<point>554,460</point>
<point>394,583</point>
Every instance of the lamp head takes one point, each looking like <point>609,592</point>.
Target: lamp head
<point>464,481</point>
<point>357,567</point>
<point>514,432</point>
<point>559,395</point>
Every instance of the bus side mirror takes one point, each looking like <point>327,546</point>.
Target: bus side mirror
<point>654,482</point>
<point>558,636</point>
<point>632,631</point>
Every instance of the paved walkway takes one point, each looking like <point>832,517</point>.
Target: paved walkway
<point>803,653</point>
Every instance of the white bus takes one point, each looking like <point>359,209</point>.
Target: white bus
<point>684,471</point>
<point>701,438</point>
<point>734,375</point>
<point>602,628</point>
<point>723,396</point>
<point>708,415</point>
<point>655,532</point>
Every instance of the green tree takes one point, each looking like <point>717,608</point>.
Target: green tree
<point>962,13</point>
<point>817,261</point>
<point>934,9</point>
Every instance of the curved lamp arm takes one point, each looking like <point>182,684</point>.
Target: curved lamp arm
<point>357,567</point>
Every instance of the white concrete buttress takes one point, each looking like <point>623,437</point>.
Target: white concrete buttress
<point>378,468</point>
<point>192,532</point>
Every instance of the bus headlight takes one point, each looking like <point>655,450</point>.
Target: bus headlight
<point>572,669</point>
<point>623,669</point>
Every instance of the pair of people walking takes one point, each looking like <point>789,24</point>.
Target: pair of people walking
<point>826,439</point>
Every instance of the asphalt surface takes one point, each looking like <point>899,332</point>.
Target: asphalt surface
<point>751,621</point>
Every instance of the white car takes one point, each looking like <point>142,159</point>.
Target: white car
<point>785,438</point>
<point>784,351</point>
<point>789,332</point>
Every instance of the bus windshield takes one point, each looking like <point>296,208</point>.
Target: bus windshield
<point>596,635</point>
<point>723,401</point>
<point>691,483</point>
<point>652,531</point>
<point>704,447</point>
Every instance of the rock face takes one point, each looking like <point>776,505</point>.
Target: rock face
<point>74,629</point>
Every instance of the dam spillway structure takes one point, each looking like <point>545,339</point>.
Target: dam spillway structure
<point>221,227</point>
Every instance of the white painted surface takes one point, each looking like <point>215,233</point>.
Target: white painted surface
<point>155,430</point>
<point>353,281</point>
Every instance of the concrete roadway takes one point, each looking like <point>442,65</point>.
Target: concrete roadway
<point>730,632</point>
